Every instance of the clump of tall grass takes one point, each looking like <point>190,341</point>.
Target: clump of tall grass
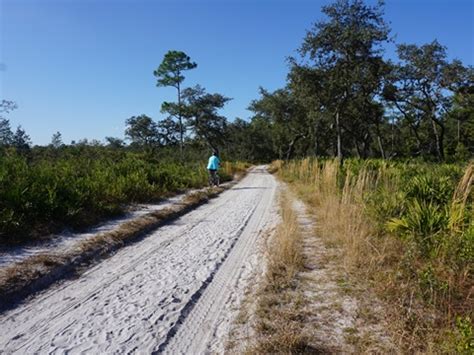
<point>285,255</point>
<point>231,169</point>
<point>278,307</point>
<point>406,228</point>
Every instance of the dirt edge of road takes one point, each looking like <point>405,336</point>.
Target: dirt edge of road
<point>39,272</point>
<point>305,302</point>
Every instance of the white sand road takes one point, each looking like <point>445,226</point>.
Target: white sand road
<point>173,292</point>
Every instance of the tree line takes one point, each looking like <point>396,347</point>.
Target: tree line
<point>342,98</point>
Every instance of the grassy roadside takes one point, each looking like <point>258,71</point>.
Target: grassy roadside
<point>279,305</point>
<point>418,260</point>
<point>305,302</point>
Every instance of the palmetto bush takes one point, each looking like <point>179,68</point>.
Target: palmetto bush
<point>422,221</point>
<point>430,188</point>
<point>43,194</point>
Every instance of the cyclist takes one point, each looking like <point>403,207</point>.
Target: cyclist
<point>212,167</point>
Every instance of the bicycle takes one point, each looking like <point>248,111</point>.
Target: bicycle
<point>214,179</point>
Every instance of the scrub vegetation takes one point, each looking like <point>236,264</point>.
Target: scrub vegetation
<point>407,231</point>
<point>50,189</point>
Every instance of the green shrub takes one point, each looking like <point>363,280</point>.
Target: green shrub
<point>423,221</point>
<point>81,185</point>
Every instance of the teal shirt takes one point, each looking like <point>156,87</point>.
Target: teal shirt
<point>213,163</point>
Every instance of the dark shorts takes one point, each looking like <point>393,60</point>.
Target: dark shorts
<point>212,172</point>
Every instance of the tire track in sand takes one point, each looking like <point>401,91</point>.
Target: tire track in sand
<point>198,324</point>
<point>153,293</point>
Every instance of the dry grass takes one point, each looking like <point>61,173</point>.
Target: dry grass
<point>279,312</point>
<point>306,302</point>
<point>285,256</point>
<point>341,221</point>
<point>237,170</point>
<point>460,198</point>
<point>275,166</point>
<point>381,261</point>
<point>39,272</point>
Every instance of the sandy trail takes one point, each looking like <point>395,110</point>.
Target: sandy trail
<point>67,240</point>
<point>173,292</point>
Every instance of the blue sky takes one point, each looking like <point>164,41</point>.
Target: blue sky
<point>82,67</point>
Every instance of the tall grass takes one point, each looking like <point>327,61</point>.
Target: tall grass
<point>407,230</point>
<point>278,309</point>
<point>47,193</point>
